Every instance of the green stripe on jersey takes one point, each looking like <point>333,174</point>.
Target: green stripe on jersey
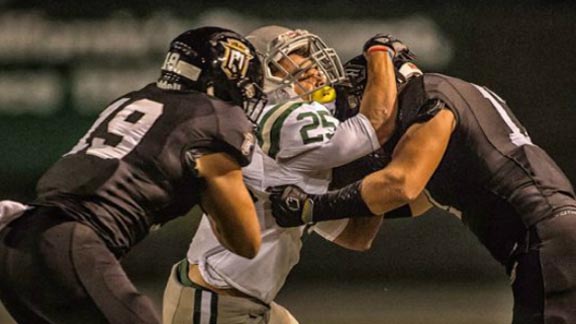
<point>271,126</point>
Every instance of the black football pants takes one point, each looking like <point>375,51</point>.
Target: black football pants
<point>56,270</point>
<point>544,285</point>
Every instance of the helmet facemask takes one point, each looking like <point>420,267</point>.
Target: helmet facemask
<point>287,78</point>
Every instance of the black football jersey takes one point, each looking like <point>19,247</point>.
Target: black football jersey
<point>491,175</point>
<point>136,166</point>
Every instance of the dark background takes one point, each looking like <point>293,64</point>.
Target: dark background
<point>524,52</point>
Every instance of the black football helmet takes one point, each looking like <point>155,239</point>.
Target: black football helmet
<point>349,94</point>
<point>218,62</point>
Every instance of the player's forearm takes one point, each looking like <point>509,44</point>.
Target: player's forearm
<point>414,161</point>
<point>235,224</point>
<point>359,233</point>
<point>229,204</point>
<point>381,193</point>
<point>380,95</point>
<point>386,190</point>
<point>291,206</point>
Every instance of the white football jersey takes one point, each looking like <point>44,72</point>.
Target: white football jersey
<point>299,143</point>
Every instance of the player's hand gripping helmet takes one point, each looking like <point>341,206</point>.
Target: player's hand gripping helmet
<point>219,62</point>
<point>349,93</point>
<point>275,43</point>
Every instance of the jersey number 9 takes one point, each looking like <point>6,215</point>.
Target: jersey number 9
<point>119,128</point>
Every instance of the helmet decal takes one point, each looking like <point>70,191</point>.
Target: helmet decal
<point>236,58</point>
<point>356,72</point>
<point>174,64</point>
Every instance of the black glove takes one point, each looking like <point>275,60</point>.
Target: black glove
<point>401,53</point>
<point>291,206</point>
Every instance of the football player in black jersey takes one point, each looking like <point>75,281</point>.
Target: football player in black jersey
<point>151,156</point>
<point>460,145</point>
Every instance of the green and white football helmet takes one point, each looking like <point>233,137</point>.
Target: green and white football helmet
<point>274,43</point>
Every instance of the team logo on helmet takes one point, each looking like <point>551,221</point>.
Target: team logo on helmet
<point>356,73</point>
<point>236,58</point>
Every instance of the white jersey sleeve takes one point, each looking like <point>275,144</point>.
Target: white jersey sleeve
<point>302,135</point>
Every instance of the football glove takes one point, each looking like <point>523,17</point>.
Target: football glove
<point>400,52</point>
<point>291,206</point>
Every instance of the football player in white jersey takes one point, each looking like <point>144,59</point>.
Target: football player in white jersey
<point>300,141</point>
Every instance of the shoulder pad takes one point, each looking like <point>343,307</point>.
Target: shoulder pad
<point>235,133</point>
<point>295,127</point>
<point>415,105</point>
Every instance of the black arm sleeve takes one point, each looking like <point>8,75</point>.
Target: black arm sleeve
<point>348,203</point>
<point>344,203</point>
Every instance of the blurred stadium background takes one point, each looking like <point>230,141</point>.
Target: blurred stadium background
<point>62,61</point>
